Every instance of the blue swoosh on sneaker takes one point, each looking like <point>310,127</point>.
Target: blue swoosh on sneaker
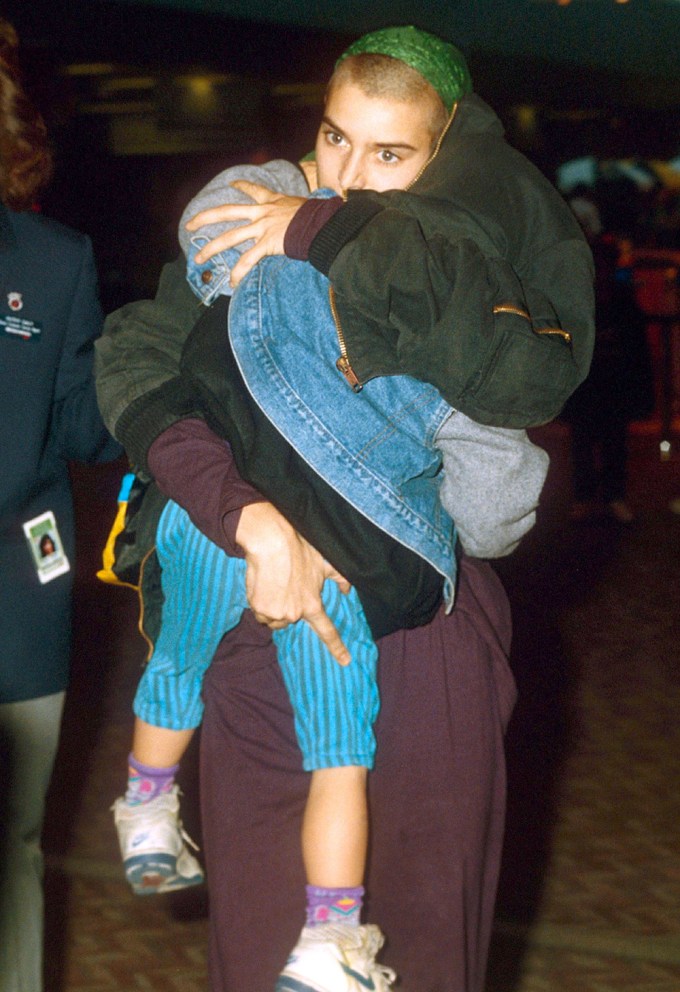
<point>287,984</point>
<point>361,979</point>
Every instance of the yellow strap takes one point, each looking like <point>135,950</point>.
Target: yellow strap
<point>106,574</point>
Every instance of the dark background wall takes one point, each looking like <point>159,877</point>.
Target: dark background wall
<point>145,101</point>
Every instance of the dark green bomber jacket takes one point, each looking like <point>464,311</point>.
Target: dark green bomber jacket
<point>478,279</point>
<point>524,256</point>
<point>436,286</point>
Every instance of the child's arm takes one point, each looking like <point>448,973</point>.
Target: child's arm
<point>493,478</point>
<point>212,278</point>
<point>494,308</point>
<point>421,287</point>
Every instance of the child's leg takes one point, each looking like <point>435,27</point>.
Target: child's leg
<point>154,760</point>
<point>158,745</point>
<point>204,597</point>
<point>335,828</point>
<point>335,708</point>
<point>335,845</point>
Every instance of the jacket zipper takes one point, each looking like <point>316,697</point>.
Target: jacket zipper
<point>343,363</point>
<point>509,308</point>
<point>434,154</point>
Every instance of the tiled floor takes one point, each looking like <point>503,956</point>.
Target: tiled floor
<point>590,891</point>
<point>593,862</point>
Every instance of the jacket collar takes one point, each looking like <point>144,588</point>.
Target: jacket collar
<point>476,117</point>
<point>472,118</point>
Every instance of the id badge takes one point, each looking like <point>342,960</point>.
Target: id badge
<point>46,547</point>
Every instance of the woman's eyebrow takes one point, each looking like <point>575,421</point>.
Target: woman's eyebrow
<point>394,144</point>
<point>376,144</point>
<point>331,123</point>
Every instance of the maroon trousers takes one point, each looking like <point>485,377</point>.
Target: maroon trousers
<point>437,799</point>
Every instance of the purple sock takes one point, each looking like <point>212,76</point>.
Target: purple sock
<point>334,906</point>
<point>146,782</point>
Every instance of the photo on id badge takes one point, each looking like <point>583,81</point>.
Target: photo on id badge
<point>46,547</point>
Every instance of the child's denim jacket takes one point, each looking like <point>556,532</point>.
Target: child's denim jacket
<point>376,448</point>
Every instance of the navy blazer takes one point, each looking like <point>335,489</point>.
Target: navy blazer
<point>49,317</point>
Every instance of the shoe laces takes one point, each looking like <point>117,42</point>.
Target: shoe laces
<point>186,838</point>
<point>180,826</point>
<point>371,942</point>
<point>382,976</point>
<point>365,943</point>
<point>358,947</point>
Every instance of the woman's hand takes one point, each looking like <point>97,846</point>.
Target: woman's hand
<point>267,221</point>
<point>285,575</point>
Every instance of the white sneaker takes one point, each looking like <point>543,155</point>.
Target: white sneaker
<point>336,958</point>
<point>153,844</point>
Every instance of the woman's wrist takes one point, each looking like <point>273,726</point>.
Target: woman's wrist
<point>261,526</point>
<point>306,224</point>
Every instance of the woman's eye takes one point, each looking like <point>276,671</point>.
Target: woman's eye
<point>388,157</point>
<point>333,138</point>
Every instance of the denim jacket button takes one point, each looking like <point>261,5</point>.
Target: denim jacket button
<point>206,276</point>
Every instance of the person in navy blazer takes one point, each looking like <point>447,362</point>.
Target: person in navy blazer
<point>49,318</point>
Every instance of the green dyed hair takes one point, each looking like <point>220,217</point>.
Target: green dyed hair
<point>438,61</point>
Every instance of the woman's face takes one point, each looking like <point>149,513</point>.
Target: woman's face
<point>368,142</point>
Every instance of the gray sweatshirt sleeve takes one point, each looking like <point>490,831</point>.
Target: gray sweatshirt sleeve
<point>492,481</point>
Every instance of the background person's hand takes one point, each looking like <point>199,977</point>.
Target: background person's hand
<point>266,224</point>
<point>285,575</point>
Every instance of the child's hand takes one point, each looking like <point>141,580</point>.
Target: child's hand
<point>285,575</point>
<point>267,221</point>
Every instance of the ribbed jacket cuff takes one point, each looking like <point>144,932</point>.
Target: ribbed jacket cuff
<point>306,224</point>
<point>147,417</point>
<point>342,228</point>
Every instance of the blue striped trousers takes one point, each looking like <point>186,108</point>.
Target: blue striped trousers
<point>204,591</point>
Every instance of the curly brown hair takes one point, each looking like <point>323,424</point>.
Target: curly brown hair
<point>25,154</point>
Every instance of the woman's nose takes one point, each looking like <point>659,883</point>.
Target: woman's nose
<point>351,175</point>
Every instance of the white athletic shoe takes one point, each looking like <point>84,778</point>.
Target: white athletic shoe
<point>153,844</point>
<point>335,957</point>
